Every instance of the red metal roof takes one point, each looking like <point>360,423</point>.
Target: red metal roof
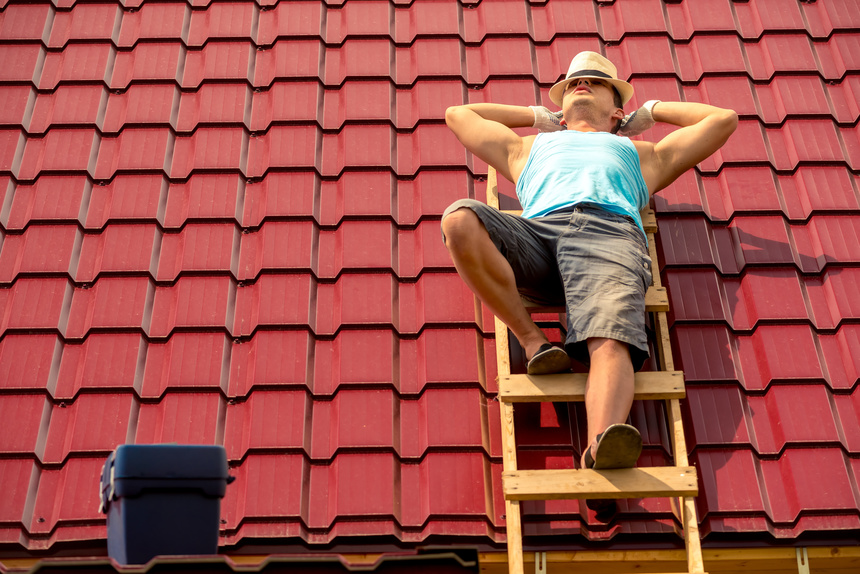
<point>220,225</point>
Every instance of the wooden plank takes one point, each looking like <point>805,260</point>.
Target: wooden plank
<point>695,565</point>
<point>661,481</point>
<point>656,300</point>
<point>570,387</point>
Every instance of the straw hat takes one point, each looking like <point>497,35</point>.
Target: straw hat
<point>591,65</point>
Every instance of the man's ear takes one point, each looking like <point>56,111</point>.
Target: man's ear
<point>618,115</point>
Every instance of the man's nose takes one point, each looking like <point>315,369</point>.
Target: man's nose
<point>581,80</point>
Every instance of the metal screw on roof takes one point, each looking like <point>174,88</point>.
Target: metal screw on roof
<point>40,519</point>
<point>223,521</point>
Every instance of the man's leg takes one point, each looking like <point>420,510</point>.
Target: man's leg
<point>609,390</point>
<point>489,275</point>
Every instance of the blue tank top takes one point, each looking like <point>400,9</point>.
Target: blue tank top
<point>566,168</point>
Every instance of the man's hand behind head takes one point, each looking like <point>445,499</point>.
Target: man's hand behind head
<point>547,121</point>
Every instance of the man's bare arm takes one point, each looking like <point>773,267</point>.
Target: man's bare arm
<point>485,130</point>
<point>704,129</point>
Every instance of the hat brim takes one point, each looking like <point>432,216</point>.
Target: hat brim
<point>624,89</point>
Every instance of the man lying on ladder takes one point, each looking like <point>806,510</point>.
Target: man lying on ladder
<point>580,238</point>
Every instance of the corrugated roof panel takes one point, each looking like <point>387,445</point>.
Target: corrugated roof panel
<point>298,58</point>
<point>506,17</point>
<point>132,149</point>
<point>53,507</point>
<point>774,412</point>
<point>27,360</point>
<point>279,194</point>
<point>159,61</point>
<point>25,22</point>
<point>91,423</point>
<point>551,19</point>
<point>221,61</point>
<point>735,91</point>
<point>430,145</point>
<point>85,22</point>
<point>198,247</point>
<point>432,57</point>
<point>67,105</point>
<point>421,249</point>
<point>429,194</point>
<point>442,418</point>
<point>15,478</point>
<point>353,419</point>
<point>211,149</point>
<point>183,418</point>
<point>144,105</point>
<point>269,420</point>
<point>103,361</point>
<point>450,302</point>
<point>196,302</point>
<point>356,245</point>
<point>205,196</point>
<point>370,18</point>
<point>729,482</point>
<point>212,104</point>
<point>34,303</point>
<point>186,361</point>
<point>687,18</point>
<point>23,62</point>
<point>78,63</point>
<point>27,412</point>
<point>126,197</point>
<point>445,483</point>
<point>60,149</point>
<point>119,248</point>
<point>760,15</point>
<point>287,147</point>
<point>793,483</point>
<point>345,302</point>
<point>425,19</point>
<point>16,111</point>
<point>296,19</point>
<point>222,20</point>
<point>110,302</point>
<point>41,249</point>
<point>499,56</point>
<point>847,412</point>
<point>277,245</point>
<point>270,359</point>
<point>352,485</point>
<point>272,300</point>
<point>298,101</point>
<point>147,22</point>
<point>718,415</point>
<point>639,16</point>
<point>824,18</point>
<point>270,489</point>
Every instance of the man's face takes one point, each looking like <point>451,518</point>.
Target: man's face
<point>592,100</point>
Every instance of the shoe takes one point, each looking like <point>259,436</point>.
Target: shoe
<point>618,446</point>
<point>548,360</point>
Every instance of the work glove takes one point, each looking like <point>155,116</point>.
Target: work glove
<point>547,121</point>
<point>638,121</point>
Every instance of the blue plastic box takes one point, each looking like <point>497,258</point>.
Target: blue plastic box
<point>163,499</point>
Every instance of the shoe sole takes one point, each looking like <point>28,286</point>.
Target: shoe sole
<point>551,361</point>
<point>619,447</point>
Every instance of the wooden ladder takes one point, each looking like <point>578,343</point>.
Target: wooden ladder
<point>678,482</point>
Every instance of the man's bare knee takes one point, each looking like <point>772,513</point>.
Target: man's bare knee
<point>461,227</point>
<point>598,346</point>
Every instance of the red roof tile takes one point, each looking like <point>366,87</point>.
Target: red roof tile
<point>220,224</point>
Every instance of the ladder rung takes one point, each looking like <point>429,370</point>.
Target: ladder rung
<point>656,300</point>
<point>554,484</point>
<point>570,387</point>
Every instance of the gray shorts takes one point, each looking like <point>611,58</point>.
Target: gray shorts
<point>591,260</point>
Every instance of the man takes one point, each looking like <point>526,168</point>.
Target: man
<point>580,239</point>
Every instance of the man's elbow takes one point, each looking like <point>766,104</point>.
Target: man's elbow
<point>452,114</point>
<point>729,119</point>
